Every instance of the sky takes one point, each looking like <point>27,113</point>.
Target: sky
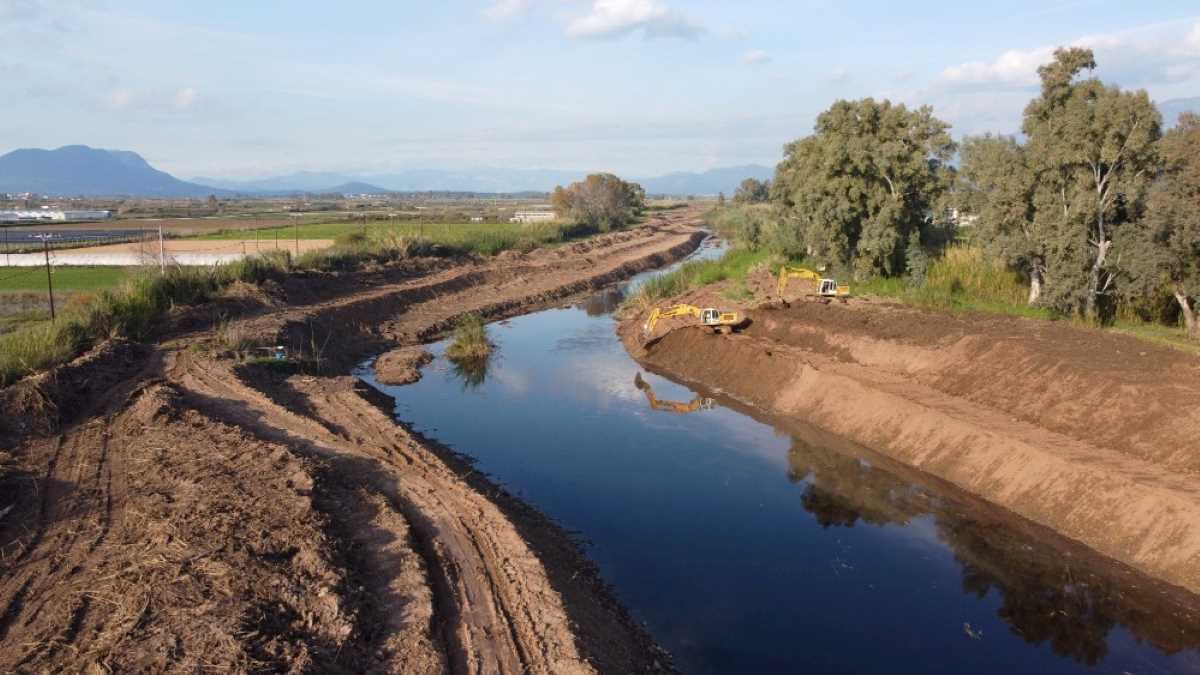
<point>236,89</point>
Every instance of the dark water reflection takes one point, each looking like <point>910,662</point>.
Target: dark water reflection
<point>1049,595</point>
<point>747,547</point>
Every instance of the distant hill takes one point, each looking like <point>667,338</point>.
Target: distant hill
<point>358,188</point>
<point>482,181</point>
<point>487,181</point>
<point>1171,109</point>
<point>710,182</point>
<point>77,170</point>
<point>303,181</point>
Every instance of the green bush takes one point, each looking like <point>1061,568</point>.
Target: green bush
<point>470,340</point>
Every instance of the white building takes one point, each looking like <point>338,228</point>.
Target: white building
<point>533,217</point>
<point>52,216</point>
<point>960,219</point>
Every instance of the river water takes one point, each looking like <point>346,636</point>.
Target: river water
<point>745,548</point>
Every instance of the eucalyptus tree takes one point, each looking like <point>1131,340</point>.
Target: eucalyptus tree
<point>1167,251</point>
<point>601,200</point>
<point>865,183</point>
<point>1092,149</point>
<point>752,191</point>
<point>997,189</point>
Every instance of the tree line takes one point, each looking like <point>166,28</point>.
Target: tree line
<point>1093,203</point>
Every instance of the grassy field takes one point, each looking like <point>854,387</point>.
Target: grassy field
<point>735,265</point>
<point>26,279</point>
<point>481,238</point>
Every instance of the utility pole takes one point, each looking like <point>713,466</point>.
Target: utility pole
<point>162,254</point>
<point>7,255</point>
<point>49,282</point>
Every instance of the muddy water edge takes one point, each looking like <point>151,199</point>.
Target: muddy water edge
<point>749,544</point>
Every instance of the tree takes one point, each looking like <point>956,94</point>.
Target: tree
<point>1167,249</point>
<point>997,187</point>
<point>752,191</point>
<point>1092,150</point>
<point>864,182</point>
<point>720,200</point>
<point>600,201</point>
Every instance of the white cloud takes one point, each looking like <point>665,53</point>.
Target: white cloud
<point>1191,44</point>
<point>1137,57</point>
<point>615,18</point>
<point>755,56</point>
<point>121,97</point>
<point>503,9</point>
<point>731,33</point>
<point>1013,68</point>
<point>839,75</point>
<point>184,98</point>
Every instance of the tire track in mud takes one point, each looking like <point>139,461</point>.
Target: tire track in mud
<point>494,607</point>
<point>436,576</point>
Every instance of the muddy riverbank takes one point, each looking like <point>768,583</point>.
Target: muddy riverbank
<point>166,507</point>
<point>749,542</point>
<point>1090,434</point>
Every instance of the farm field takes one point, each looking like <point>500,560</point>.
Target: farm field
<point>27,279</point>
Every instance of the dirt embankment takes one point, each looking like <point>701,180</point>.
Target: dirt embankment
<point>1092,434</point>
<point>165,509</point>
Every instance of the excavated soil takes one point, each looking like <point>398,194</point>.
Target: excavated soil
<point>1092,434</point>
<point>164,508</point>
<point>402,366</point>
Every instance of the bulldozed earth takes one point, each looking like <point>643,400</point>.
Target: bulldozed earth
<point>191,505</point>
<point>1090,434</point>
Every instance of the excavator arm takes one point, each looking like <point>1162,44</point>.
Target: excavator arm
<point>677,310</point>
<point>697,403</point>
<point>826,288</point>
<point>786,273</point>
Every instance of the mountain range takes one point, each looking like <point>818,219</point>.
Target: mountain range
<point>487,180</point>
<point>78,170</point>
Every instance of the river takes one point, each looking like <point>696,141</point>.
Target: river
<point>747,547</point>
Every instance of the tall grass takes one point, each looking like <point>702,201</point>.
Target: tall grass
<point>735,264</point>
<point>444,238</point>
<point>470,340</point>
<point>133,310</point>
<point>962,278</point>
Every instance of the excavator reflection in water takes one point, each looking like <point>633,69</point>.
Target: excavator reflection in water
<point>698,403</point>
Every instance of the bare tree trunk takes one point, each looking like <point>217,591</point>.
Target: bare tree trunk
<point>1189,315</point>
<point>1093,290</point>
<point>1035,284</point>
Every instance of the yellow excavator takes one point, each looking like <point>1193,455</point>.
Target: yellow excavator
<point>826,288</point>
<point>695,404</point>
<point>719,320</point>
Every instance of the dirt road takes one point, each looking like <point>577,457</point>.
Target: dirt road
<point>1092,434</point>
<point>168,509</point>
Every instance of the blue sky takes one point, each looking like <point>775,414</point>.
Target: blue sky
<point>640,87</point>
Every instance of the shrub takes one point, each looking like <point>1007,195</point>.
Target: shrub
<point>470,340</point>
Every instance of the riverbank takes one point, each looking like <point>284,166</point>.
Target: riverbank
<point>261,514</point>
<point>1087,433</point>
